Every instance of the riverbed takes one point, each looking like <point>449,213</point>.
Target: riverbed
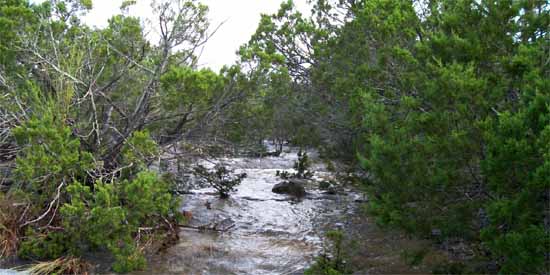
<point>261,232</point>
<point>269,233</point>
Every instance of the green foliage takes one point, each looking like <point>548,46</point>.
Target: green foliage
<point>15,16</point>
<point>437,146</point>
<point>332,263</point>
<point>414,257</point>
<point>275,50</point>
<point>43,246</point>
<point>221,178</point>
<point>50,155</point>
<point>184,86</point>
<point>112,215</point>
<point>92,216</point>
<point>518,171</point>
<point>139,151</point>
<point>147,196</point>
<point>301,166</point>
<point>283,174</point>
<point>84,112</point>
<point>444,102</point>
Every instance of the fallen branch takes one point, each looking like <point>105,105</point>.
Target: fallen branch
<point>206,227</point>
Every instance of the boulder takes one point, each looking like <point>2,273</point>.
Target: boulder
<point>272,154</point>
<point>331,190</point>
<point>324,185</point>
<point>291,187</point>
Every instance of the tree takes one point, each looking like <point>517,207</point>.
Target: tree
<point>68,214</point>
<point>84,114</point>
<point>436,98</point>
<point>518,171</point>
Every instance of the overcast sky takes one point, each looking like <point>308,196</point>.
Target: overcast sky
<point>241,19</point>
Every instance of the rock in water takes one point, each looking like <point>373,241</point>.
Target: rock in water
<point>293,188</point>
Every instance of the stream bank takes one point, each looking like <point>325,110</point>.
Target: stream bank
<point>271,233</point>
<point>267,233</point>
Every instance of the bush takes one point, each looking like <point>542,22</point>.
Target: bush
<point>461,128</point>
<point>70,212</point>
<point>518,171</point>
<point>112,215</point>
<point>50,157</point>
<point>414,257</point>
<point>301,166</point>
<point>331,261</point>
<point>221,178</point>
<point>139,152</point>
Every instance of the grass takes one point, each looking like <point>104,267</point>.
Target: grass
<point>63,265</point>
<point>10,215</point>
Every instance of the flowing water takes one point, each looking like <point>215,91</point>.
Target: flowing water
<point>270,233</point>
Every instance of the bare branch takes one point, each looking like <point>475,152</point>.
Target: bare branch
<point>55,199</point>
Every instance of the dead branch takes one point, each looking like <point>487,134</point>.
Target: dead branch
<point>56,198</point>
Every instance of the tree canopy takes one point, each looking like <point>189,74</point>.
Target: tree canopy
<point>443,105</point>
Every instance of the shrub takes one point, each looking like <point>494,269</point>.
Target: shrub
<point>518,171</point>
<point>331,261</point>
<point>301,166</point>
<point>139,152</point>
<point>414,257</point>
<point>221,178</point>
<point>71,212</point>
<point>50,156</point>
<point>113,215</point>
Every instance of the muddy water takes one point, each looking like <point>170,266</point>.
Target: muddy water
<point>270,233</point>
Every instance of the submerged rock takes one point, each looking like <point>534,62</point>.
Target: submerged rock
<point>291,187</point>
<point>324,185</point>
<point>331,190</point>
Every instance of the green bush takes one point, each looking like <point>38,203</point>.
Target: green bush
<point>113,215</point>
<point>120,215</point>
<point>302,166</point>
<point>138,152</point>
<point>221,178</point>
<point>456,129</point>
<point>518,171</point>
<point>50,156</point>
<point>332,260</point>
<point>38,245</point>
<point>414,257</point>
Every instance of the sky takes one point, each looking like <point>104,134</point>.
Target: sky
<point>241,19</point>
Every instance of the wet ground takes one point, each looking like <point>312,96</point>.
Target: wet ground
<point>270,233</point>
<point>266,233</point>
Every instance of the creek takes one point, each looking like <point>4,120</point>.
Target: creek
<point>269,233</point>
